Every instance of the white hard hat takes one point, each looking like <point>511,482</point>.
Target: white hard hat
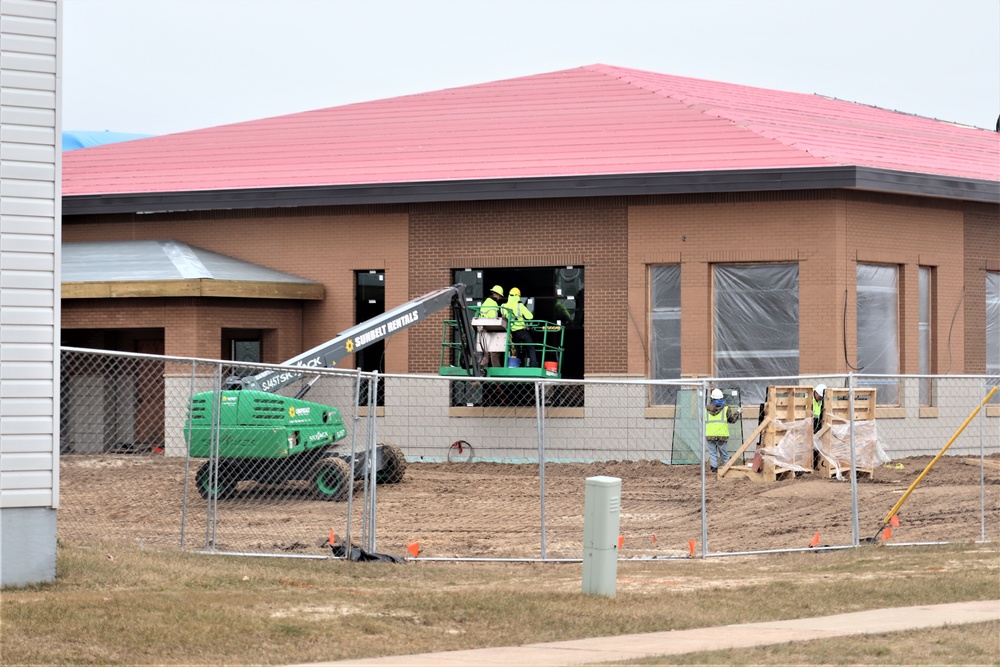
<point>717,394</point>
<point>820,388</point>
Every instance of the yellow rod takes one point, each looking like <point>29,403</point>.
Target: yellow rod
<point>888,517</point>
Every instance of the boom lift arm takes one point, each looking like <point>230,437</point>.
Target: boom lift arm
<point>358,337</point>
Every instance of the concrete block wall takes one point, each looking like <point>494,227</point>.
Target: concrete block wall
<point>613,425</point>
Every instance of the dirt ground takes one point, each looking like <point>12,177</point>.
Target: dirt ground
<point>492,510</point>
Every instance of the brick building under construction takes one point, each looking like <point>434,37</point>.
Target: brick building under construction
<point>698,227</point>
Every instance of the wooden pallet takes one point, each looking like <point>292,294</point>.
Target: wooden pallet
<point>837,410</point>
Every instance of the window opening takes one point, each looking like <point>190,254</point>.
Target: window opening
<point>993,330</point>
<point>369,302</point>
<point>554,293</point>
<point>125,394</point>
<point>665,331</point>
<point>878,329</point>
<point>242,345</point>
<point>756,323</point>
<point>926,332</point>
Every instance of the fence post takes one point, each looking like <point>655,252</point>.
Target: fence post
<point>187,455</point>
<point>855,527</point>
<point>350,483</point>
<point>983,384</point>
<point>702,399</point>
<point>370,462</point>
<point>540,424</point>
<point>212,507</point>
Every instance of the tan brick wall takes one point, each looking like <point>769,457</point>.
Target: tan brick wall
<point>193,326</point>
<point>319,244</point>
<point>826,233</point>
<point>982,252</point>
<point>615,239</point>
<point>584,232</point>
<point>910,233</point>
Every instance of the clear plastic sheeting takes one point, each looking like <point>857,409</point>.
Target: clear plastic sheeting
<point>689,435</point>
<point>756,314</point>
<point>993,331</point>
<point>794,449</point>
<point>878,327</point>
<point>665,327</point>
<point>836,447</point>
<point>689,425</point>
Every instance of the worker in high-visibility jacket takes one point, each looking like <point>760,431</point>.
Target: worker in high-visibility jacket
<point>517,313</point>
<point>490,309</point>
<point>818,392</point>
<point>718,417</point>
<point>491,306</point>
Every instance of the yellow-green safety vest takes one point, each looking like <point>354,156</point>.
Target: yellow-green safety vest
<point>518,314</point>
<point>717,426</point>
<point>489,308</point>
<point>817,408</point>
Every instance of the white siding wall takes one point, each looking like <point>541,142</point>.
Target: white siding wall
<point>30,161</point>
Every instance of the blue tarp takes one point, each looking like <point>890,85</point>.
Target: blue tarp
<point>83,139</point>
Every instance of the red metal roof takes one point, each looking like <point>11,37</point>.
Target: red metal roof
<point>595,120</point>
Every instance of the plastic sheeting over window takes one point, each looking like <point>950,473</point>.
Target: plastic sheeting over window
<point>756,314</point>
<point>665,325</point>
<point>993,330</point>
<point>926,386</point>
<point>878,329</point>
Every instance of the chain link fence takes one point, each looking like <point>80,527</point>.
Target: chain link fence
<point>156,451</point>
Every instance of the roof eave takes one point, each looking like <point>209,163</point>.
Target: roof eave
<point>604,185</point>
<point>196,287</point>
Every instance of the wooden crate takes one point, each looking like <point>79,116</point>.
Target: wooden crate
<point>784,405</point>
<point>837,410</point>
<point>837,405</point>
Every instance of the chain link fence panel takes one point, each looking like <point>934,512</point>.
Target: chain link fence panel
<point>155,451</point>
<point>496,469</point>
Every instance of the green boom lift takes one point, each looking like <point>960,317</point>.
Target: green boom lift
<point>271,438</point>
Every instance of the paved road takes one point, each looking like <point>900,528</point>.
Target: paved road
<point>625,647</point>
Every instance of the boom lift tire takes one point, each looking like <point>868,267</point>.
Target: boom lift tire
<point>225,484</point>
<point>332,479</point>
<point>393,465</point>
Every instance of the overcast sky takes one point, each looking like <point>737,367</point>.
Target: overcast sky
<point>163,66</point>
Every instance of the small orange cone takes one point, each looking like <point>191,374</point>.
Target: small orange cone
<point>621,541</point>
<point>413,548</point>
<point>894,521</point>
<point>691,547</point>
<point>887,534</point>
<point>815,540</point>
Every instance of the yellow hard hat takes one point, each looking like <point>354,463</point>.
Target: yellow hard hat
<point>497,289</point>
<point>515,291</point>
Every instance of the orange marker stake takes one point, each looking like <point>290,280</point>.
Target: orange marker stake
<point>691,547</point>
<point>815,540</point>
<point>887,534</point>
<point>894,521</point>
<point>413,548</point>
<point>333,537</point>
<point>621,541</point>
<point>654,538</point>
